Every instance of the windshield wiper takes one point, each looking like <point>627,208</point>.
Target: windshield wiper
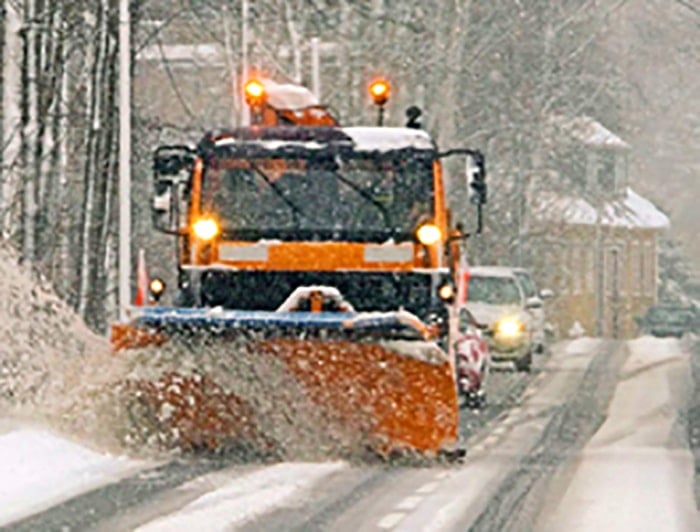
<point>362,192</point>
<point>296,211</point>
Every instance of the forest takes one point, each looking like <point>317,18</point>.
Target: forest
<point>487,73</point>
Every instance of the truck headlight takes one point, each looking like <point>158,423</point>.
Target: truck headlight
<point>428,234</point>
<point>206,228</point>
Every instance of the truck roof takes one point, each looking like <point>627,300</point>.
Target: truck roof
<point>389,138</point>
<point>363,139</point>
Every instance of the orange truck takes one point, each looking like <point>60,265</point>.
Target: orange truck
<point>362,219</point>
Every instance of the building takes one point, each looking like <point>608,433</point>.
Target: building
<point>596,238</point>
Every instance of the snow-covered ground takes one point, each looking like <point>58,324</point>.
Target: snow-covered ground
<point>636,472</point>
<point>39,469</point>
<point>246,497</point>
<point>582,345</point>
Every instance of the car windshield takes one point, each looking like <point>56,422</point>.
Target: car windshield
<point>493,290</point>
<point>351,195</point>
<point>526,284</point>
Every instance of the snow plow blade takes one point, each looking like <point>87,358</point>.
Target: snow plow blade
<point>376,374</point>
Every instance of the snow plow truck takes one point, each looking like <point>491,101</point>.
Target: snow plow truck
<point>337,250</point>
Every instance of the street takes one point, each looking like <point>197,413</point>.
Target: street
<point>594,437</point>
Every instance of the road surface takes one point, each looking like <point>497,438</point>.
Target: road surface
<point>599,436</point>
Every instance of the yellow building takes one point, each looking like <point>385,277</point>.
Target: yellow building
<point>596,238</point>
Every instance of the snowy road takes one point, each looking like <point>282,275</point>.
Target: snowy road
<point>636,473</point>
<point>591,440</point>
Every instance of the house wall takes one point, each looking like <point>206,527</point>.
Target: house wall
<point>625,270</point>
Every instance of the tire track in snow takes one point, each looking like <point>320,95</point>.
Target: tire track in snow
<point>518,502</point>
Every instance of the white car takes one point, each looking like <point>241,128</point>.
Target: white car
<point>534,300</point>
<point>496,298</point>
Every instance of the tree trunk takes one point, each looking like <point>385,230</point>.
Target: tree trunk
<point>107,172</point>
<point>295,42</point>
<point>12,117</point>
<point>30,131</point>
<point>92,143</point>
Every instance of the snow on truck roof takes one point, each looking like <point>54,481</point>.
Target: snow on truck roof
<point>288,95</point>
<point>364,139</point>
<point>389,138</point>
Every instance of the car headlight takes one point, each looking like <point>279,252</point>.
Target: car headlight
<point>509,327</point>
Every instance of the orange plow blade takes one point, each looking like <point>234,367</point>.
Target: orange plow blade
<point>402,395</point>
<point>387,386</point>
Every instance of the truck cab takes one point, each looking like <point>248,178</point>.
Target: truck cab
<point>261,210</point>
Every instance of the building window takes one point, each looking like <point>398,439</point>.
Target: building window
<point>605,171</point>
<point>649,261</point>
<point>564,284</point>
<point>590,271</point>
<point>612,271</point>
<point>579,268</point>
<point>638,268</point>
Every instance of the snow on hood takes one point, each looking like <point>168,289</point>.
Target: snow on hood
<point>489,314</point>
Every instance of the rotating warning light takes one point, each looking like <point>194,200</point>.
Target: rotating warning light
<point>379,90</point>
<point>254,93</point>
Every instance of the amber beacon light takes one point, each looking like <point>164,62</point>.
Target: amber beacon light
<point>379,89</point>
<point>254,93</point>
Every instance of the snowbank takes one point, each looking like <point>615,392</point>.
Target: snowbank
<point>39,469</point>
<point>53,369</point>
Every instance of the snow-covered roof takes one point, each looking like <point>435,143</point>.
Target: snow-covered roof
<point>491,271</point>
<point>288,95</point>
<point>389,138</point>
<point>589,131</point>
<point>206,53</point>
<point>632,210</point>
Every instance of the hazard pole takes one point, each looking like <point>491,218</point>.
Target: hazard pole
<point>245,111</point>
<point>124,159</point>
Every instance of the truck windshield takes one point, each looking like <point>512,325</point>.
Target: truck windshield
<point>359,196</point>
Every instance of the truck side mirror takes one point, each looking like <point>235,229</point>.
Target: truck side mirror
<point>470,187</point>
<point>171,160</point>
<point>171,168</point>
<point>533,303</point>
